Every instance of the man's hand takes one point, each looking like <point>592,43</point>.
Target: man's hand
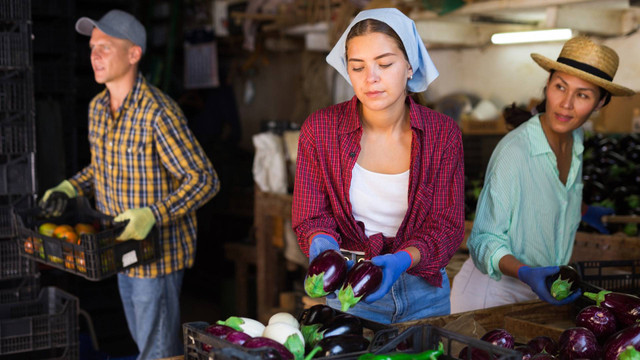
<point>535,277</point>
<point>140,223</point>
<point>393,265</point>
<point>594,215</point>
<point>54,201</point>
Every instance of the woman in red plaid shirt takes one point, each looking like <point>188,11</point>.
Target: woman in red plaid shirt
<point>382,175</point>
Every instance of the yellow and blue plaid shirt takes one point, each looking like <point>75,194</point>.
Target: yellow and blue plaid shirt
<point>146,156</point>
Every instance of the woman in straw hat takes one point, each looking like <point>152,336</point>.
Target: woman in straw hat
<point>531,205</point>
<point>381,175</point>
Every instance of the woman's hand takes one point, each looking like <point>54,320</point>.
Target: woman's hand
<point>393,265</point>
<point>535,277</point>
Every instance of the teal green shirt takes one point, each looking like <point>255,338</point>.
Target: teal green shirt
<point>524,210</point>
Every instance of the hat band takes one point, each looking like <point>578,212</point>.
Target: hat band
<point>585,67</point>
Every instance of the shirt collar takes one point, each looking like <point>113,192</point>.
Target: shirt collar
<point>350,119</point>
<point>132,97</point>
<point>539,143</point>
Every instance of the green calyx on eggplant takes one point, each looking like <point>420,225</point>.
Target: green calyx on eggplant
<point>564,283</point>
<point>338,345</point>
<point>630,353</point>
<point>625,307</point>
<point>363,279</point>
<point>342,324</point>
<point>312,319</point>
<point>326,274</point>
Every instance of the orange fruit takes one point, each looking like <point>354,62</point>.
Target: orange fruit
<point>69,236</point>
<point>28,246</point>
<point>47,229</point>
<point>61,229</point>
<point>69,262</point>
<point>80,261</point>
<point>82,228</point>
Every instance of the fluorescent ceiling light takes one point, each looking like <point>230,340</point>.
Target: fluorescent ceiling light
<point>531,36</point>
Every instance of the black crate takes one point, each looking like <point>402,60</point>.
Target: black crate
<point>17,137</point>
<point>421,338</point>
<point>15,10</point>
<point>8,203</point>
<point>92,256</point>
<point>195,336</point>
<point>12,265</point>
<point>613,275</point>
<point>16,94</point>
<point>22,289</point>
<point>17,174</point>
<point>15,46</point>
<point>44,325</point>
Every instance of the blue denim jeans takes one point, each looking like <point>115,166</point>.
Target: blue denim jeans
<point>410,298</point>
<point>152,309</point>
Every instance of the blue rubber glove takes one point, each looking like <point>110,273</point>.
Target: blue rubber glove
<point>535,277</point>
<point>321,243</point>
<point>594,215</point>
<point>393,265</point>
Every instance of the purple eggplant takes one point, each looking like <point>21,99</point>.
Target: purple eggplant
<point>564,283</point>
<point>363,279</point>
<point>238,337</point>
<point>618,342</point>
<point>342,324</point>
<point>338,345</point>
<point>280,351</point>
<point>625,307</point>
<point>326,274</point>
<point>543,344</point>
<point>526,351</point>
<point>499,337</point>
<point>578,343</point>
<point>312,319</point>
<point>543,356</point>
<point>599,320</point>
<point>219,331</point>
<point>474,354</point>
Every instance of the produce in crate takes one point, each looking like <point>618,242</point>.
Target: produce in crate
<point>341,324</point>
<point>312,319</point>
<point>578,343</point>
<point>363,279</point>
<point>284,317</point>
<point>238,337</point>
<point>288,336</point>
<point>474,354</point>
<point>543,344</point>
<point>630,353</point>
<point>526,351</point>
<point>625,307</point>
<point>338,345</point>
<point>618,342</point>
<point>499,337</point>
<point>252,327</point>
<point>543,356</point>
<point>599,320</point>
<point>220,331</point>
<point>425,355</point>
<point>258,342</point>
<point>564,283</point>
<point>326,274</point>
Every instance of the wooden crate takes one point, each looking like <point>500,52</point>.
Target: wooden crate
<point>487,127</point>
<point>591,246</point>
<point>524,320</point>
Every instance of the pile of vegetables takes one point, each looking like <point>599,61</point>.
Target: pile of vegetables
<point>318,331</point>
<point>329,272</point>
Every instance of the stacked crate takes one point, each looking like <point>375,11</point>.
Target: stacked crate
<point>34,323</point>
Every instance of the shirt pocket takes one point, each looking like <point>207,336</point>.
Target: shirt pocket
<point>132,154</point>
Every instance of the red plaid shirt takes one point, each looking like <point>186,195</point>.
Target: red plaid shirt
<point>328,148</point>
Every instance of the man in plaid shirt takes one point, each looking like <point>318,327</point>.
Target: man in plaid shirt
<point>147,168</point>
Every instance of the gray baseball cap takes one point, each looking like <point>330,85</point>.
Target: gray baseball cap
<point>116,23</point>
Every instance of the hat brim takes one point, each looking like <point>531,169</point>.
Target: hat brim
<point>614,89</point>
<point>85,26</point>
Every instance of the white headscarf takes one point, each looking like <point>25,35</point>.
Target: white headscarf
<point>424,71</point>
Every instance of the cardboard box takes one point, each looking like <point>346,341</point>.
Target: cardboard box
<point>617,116</point>
<point>472,126</point>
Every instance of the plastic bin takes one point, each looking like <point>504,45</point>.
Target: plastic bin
<point>15,91</point>
<point>92,256</point>
<point>18,137</point>
<point>7,205</point>
<point>23,289</point>
<point>614,275</point>
<point>46,327</point>
<point>195,336</point>
<point>421,338</point>
<point>17,174</point>
<point>15,10</point>
<point>15,46</point>
<point>12,265</point>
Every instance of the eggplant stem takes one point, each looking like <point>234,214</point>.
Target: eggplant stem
<point>312,353</point>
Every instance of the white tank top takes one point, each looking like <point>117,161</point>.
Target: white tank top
<point>380,201</point>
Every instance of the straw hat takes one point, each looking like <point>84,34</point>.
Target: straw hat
<point>589,61</point>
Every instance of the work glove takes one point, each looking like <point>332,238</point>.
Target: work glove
<point>593,217</point>
<point>393,265</point>
<point>54,201</point>
<point>535,277</point>
<point>321,243</point>
<point>140,223</point>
